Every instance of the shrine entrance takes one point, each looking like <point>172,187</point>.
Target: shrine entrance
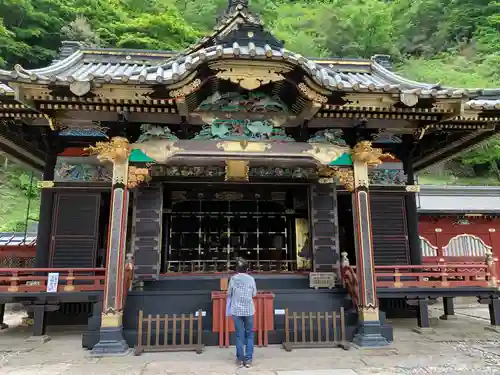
<point>209,228</point>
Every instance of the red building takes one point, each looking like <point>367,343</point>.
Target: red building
<point>459,223</point>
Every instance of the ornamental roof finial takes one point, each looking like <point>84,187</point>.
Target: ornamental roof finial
<point>233,4</point>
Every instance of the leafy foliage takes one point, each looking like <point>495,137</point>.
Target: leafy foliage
<point>20,194</point>
<point>454,42</point>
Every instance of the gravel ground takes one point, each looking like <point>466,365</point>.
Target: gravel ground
<point>458,347</point>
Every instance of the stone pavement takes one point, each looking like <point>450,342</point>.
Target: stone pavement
<point>458,347</point>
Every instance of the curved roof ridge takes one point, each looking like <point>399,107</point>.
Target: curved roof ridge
<point>51,70</point>
<point>185,64</point>
<point>399,80</point>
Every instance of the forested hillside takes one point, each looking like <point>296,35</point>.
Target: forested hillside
<point>453,42</point>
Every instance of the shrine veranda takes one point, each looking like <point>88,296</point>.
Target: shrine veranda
<point>161,168</point>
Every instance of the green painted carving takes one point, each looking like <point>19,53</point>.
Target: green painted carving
<point>233,129</point>
<point>330,136</point>
<point>155,132</point>
<point>137,156</point>
<point>66,172</point>
<point>246,102</point>
<point>344,159</point>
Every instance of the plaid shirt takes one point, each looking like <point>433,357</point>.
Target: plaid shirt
<point>241,290</point>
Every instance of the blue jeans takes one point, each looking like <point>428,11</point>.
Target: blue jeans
<point>244,337</point>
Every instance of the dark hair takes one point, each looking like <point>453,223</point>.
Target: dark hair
<point>241,265</point>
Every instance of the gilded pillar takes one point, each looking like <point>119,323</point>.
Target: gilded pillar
<point>111,339</point>
<point>369,331</point>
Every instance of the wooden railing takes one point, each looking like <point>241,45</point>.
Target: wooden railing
<point>438,275</point>
<point>29,280</point>
<point>434,276</point>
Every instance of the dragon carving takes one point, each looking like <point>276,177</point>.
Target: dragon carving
<point>365,153</point>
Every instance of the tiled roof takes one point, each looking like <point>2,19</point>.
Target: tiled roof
<point>17,239</point>
<point>145,67</point>
<point>459,199</point>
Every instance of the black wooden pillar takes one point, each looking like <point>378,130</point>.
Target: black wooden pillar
<point>411,203</point>
<point>46,211</point>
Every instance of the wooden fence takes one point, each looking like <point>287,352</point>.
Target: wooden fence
<point>263,318</point>
<point>315,330</point>
<point>179,333</point>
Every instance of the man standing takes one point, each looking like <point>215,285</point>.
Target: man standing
<point>241,291</point>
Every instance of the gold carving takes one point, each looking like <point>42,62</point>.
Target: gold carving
<point>186,90</point>
<point>236,170</point>
<point>368,314</point>
<point>116,150</point>
<point>325,154</point>
<point>249,76</point>
<point>364,152</point>
<point>311,94</point>
<point>413,188</point>
<point>159,150</point>
<point>45,184</point>
<point>243,146</point>
<point>345,176</point>
<point>137,176</point>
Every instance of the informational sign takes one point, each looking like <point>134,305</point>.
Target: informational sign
<point>52,282</point>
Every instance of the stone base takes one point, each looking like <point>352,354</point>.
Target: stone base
<point>423,330</point>
<point>369,335</point>
<point>111,344</point>
<point>448,317</point>
<point>3,326</point>
<point>39,339</point>
<point>495,329</point>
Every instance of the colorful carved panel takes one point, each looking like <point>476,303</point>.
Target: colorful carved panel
<point>387,177</point>
<point>97,132</point>
<point>191,171</point>
<point>234,129</point>
<point>81,172</point>
<point>254,102</point>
